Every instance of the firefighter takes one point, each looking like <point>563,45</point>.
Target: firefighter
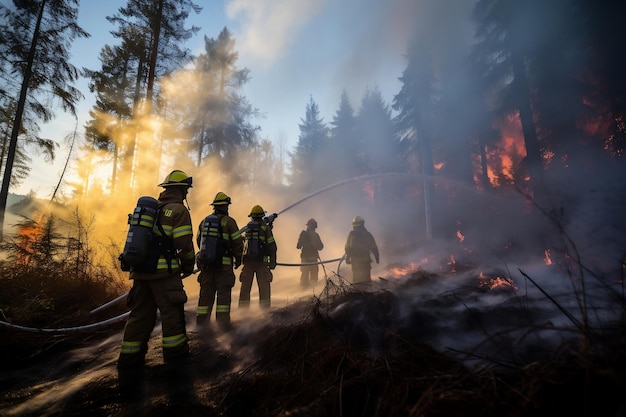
<point>310,243</point>
<point>359,245</point>
<point>162,288</point>
<point>259,258</point>
<point>217,280</point>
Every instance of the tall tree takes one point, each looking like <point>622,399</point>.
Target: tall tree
<point>220,113</point>
<point>42,61</point>
<point>108,128</point>
<point>415,122</point>
<point>605,35</point>
<point>504,47</point>
<point>305,160</point>
<point>378,150</point>
<point>152,33</point>
<point>342,148</point>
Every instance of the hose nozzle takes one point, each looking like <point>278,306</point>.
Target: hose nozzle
<point>270,218</point>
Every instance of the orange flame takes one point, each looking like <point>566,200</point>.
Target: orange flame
<point>547,258</point>
<point>494,283</point>
<point>402,271</point>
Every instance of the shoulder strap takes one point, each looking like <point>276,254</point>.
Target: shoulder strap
<point>166,254</point>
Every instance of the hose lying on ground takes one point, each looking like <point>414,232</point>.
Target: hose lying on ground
<point>91,326</point>
<point>122,316</point>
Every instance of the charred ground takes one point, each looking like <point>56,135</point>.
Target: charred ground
<point>346,352</point>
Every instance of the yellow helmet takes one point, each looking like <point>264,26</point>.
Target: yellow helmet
<point>257,211</point>
<point>177,178</point>
<point>358,221</point>
<point>220,199</point>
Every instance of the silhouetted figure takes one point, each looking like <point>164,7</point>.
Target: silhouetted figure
<point>310,243</point>
<point>359,245</point>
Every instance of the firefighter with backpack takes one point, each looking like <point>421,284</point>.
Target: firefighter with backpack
<point>259,257</point>
<point>157,280</point>
<point>220,244</point>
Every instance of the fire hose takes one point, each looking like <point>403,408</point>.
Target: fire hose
<point>91,326</point>
<point>268,219</point>
<point>123,296</point>
<point>123,316</point>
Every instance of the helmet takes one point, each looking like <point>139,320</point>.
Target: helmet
<point>220,199</point>
<point>257,211</point>
<point>358,221</point>
<point>177,178</point>
<point>311,222</point>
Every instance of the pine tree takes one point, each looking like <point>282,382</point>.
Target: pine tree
<point>306,160</point>
<point>342,149</point>
<point>42,61</point>
<point>503,52</point>
<point>377,149</point>
<point>208,114</point>
<point>151,34</point>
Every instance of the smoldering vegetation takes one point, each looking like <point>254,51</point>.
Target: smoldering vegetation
<point>468,341</point>
<point>468,324</point>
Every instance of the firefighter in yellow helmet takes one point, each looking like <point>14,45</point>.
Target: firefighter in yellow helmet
<point>360,245</point>
<point>259,257</point>
<point>309,243</point>
<point>158,285</point>
<point>220,245</point>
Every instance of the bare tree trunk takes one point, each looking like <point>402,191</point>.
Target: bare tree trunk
<point>67,161</point>
<point>17,123</point>
<point>533,155</point>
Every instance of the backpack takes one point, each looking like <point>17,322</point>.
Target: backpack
<point>211,242</point>
<point>143,248</point>
<point>254,247</point>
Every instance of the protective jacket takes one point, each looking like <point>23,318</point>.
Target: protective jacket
<point>232,237</point>
<point>359,245</point>
<point>261,267</point>
<point>267,242</point>
<point>176,223</point>
<point>310,244</point>
<point>216,283</point>
<point>161,290</point>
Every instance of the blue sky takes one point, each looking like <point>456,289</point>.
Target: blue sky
<point>294,49</point>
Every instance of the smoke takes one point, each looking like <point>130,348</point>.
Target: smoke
<point>269,27</point>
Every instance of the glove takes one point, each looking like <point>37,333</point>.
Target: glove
<point>348,260</point>
<point>272,265</point>
<point>185,273</point>
<point>237,262</point>
<point>377,260</point>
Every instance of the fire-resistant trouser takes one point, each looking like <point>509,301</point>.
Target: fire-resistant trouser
<point>215,282</point>
<point>308,272</point>
<point>361,272</point>
<point>263,279</point>
<point>145,297</point>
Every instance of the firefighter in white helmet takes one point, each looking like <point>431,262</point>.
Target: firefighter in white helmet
<point>360,245</point>
<point>309,243</point>
<point>259,257</point>
<point>159,286</point>
<point>217,279</point>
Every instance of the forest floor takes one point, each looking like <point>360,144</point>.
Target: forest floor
<point>347,352</point>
